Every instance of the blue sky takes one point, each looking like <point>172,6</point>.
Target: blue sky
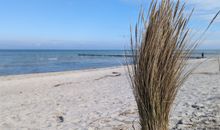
<point>85,24</point>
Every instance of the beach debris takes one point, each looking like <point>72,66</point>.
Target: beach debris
<point>57,85</point>
<point>114,74</point>
<point>60,119</point>
<point>197,106</point>
<point>61,84</point>
<point>180,122</point>
<point>207,73</point>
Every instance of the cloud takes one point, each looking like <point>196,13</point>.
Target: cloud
<point>205,4</point>
<point>209,44</point>
<point>205,9</point>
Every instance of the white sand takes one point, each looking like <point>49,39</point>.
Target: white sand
<point>99,99</point>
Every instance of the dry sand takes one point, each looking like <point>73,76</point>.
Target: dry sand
<point>102,99</point>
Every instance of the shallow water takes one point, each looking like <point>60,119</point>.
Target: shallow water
<point>13,62</point>
<point>37,61</point>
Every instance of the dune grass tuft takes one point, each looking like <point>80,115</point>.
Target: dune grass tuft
<point>160,47</point>
<point>160,52</point>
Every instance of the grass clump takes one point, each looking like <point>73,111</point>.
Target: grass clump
<point>160,47</point>
<point>160,52</point>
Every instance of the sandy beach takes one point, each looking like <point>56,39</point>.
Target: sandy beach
<point>102,99</point>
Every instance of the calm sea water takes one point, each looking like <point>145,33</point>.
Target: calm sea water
<point>13,62</point>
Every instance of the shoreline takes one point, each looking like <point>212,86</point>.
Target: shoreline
<point>79,70</point>
<point>59,72</point>
<point>84,69</point>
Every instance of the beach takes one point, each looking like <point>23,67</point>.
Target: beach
<point>102,99</point>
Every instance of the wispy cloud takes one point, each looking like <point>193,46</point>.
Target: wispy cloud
<point>205,9</point>
<point>206,5</point>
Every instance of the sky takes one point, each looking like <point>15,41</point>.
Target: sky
<point>87,24</point>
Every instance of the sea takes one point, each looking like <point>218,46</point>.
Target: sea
<point>16,62</point>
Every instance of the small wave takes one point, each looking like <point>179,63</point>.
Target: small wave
<point>52,59</point>
<point>106,55</point>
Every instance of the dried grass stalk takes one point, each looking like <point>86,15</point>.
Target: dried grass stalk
<point>160,52</point>
<point>219,64</point>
